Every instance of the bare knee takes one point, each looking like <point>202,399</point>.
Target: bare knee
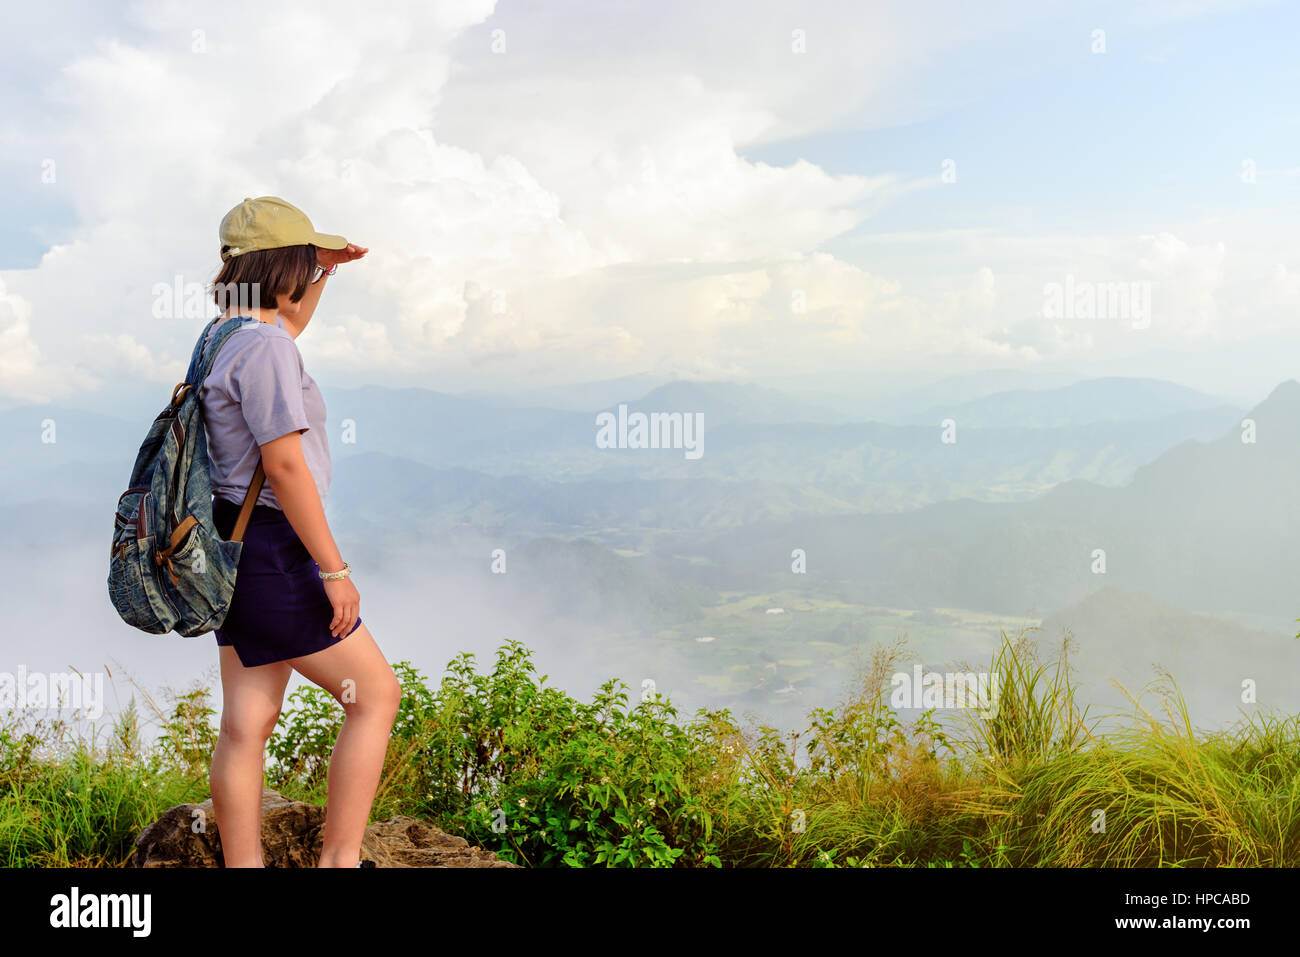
<point>378,699</point>
<point>251,729</point>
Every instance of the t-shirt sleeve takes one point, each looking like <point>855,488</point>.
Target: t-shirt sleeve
<point>268,386</point>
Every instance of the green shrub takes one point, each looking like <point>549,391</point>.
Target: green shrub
<point>547,780</point>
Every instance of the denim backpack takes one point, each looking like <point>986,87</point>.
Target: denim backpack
<point>168,568</point>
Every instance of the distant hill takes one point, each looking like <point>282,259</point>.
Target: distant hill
<point>757,434</point>
<point>90,454</point>
<point>579,397</point>
<point>725,402</point>
<point>401,500</point>
<point>1128,635</point>
<point>1081,403</point>
<point>765,456</point>
<point>1209,526</point>
<point>552,473</point>
<point>912,404</point>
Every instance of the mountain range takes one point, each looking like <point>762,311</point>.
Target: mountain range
<point>1177,509</point>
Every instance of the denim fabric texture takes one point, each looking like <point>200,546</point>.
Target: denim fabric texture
<point>188,589</point>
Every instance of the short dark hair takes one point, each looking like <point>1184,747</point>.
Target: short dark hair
<point>268,273</point>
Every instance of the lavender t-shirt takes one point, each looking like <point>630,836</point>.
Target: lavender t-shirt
<point>257,391</point>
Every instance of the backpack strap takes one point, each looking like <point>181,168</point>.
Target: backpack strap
<point>203,357</point>
<point>250,499</point>
<point>200,365</point>
<point>195,356</point>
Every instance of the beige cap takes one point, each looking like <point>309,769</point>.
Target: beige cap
<point>268,222</point>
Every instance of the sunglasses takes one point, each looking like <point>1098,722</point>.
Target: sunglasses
<point>322,272</point>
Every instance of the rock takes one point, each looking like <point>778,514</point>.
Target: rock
<point>187,836</point>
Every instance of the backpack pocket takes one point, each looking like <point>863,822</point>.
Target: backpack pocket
<point>197,574</point>
<point>134,591</point>
<point>133,584</point>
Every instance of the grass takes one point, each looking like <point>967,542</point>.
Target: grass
<point>546,780</point>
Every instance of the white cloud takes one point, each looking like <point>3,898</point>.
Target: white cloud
<point>576,207</point>
<point>24,373</point>
<point>163,139</point>
<point>120,354</point>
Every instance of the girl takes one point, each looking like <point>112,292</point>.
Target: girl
<point>295,607</point>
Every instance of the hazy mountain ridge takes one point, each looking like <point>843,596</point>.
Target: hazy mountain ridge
<point>1091,401</point>
<point>1209,526</point>
<point>1130,637</point>
<point>763,444</point>
<point>616,567</point>
<point>750,433</point>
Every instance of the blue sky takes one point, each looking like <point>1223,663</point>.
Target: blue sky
<point>1154,131</point>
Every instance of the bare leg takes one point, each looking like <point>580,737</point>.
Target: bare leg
<point>251,700</point>
<point>356,673</point>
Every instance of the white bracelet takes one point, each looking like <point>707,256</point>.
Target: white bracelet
<point>334,576</point>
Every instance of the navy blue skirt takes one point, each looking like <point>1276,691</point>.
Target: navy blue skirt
<point>279,609</point>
